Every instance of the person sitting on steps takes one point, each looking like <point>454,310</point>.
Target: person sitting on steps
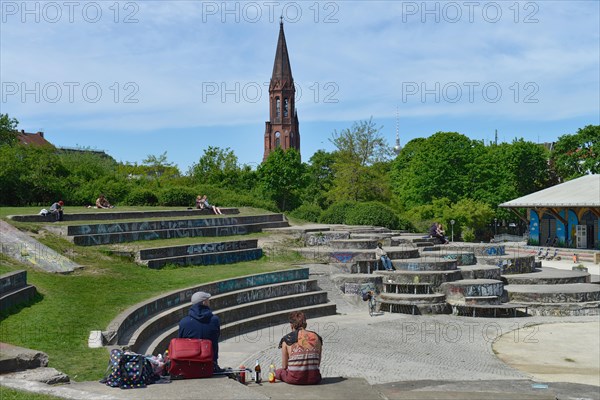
<point>56,209</point>
<point>382,255</point>
<point>206,204</point>
<point>101,202</point>
<point>437,232</point>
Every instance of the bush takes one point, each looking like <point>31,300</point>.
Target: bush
<point>178,196</point>
<point>307,212</point>
<point>372,213</point>
<point>141,197</point>
<point>336,213</point>
<point>468,234</point>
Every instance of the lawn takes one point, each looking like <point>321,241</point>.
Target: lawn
<point>70,306</point>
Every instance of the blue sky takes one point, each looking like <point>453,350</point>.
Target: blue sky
<point>144,77</point>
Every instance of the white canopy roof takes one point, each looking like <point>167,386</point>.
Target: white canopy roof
<point>580,192</point>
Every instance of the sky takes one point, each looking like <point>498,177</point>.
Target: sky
<point>139,78</point>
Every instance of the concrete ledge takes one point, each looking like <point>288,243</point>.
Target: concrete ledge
<point>112,215</point>
<point>128,320</point>
<point>172,316</point>
<point>548,276</point>
<point>565,293</point>
<point>122,227</point>
<point>198,248</point>
<point>17,298</point>
<point>425,264</point>
<point>472,288</point>
<point>434,278</point>
<point>15,358</point>
<point>480,272</point>
<point>12,281</point>
<point>225,257</point>
<point>215,231</point>
<point>249,325</point>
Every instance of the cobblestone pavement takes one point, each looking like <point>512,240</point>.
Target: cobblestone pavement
<point>395,347</point>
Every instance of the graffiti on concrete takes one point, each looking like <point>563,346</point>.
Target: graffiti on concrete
<point>323,238</point>
<point>342,257</point>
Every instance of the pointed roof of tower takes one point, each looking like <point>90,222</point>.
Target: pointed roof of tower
<point>281,68</point>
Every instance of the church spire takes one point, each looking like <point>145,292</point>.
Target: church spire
<point>282,71</point>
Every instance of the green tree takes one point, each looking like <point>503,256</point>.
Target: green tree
<point>281,178</point>
<point>579,154</point>
<point>440,166</point>
<point>216,166</point>
<point>319,178</point>
<point>8,130</point>
<point>360,168</point>
<point>157,166</point>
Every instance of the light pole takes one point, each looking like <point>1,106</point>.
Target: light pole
<point>495,225</point>
<point>452,225</point>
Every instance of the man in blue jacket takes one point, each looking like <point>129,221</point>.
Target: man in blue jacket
<point>200,323</point>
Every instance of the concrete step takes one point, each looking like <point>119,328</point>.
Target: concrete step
<point>161,342</point>
<point>15,358</point>
<point>415,304</point>
<point>461,258</point>
<point>562,309</point>
<point>224,257</point>
<point>105,215</point>
<point>408,288</point>
<point>283,297</point>
<point>560,293</point>
<point>16,298</point>
<point>479,249</point>
<point>507,310</point>
<point>401,298</point>
<point>354,255</point>
<point>548,276</point>
<point>196,248</point>
<point>510,264</point>
<point>480,272</point>
<point>12,281</point>
<point>123,237</point>
<point>434,278</point>
<point>482,300</point>
<point>120,328</point>
<point>425,264</point>
<point>156,225</point>
<point>471,288</point>
<point>354,243</point>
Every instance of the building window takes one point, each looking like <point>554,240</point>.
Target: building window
<point>285,107</point>
<point>277,107</point>
<point>277,140</point>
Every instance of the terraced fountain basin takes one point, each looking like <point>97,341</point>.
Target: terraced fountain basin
<point>479,249</point>
<point>461,258</point>
<point>353,243</point>
<point>414,303</point>
<point>510,264</point>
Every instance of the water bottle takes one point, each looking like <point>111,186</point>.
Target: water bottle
<point>257,377</point>
<point>271,373</point>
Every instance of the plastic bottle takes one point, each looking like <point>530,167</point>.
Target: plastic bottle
<point>271,373</point>
<point>242,374</point>
<point>257,377</point>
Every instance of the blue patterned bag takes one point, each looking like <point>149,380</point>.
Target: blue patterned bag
<point>128,370</point>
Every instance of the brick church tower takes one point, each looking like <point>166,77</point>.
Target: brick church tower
<point>282,128</point>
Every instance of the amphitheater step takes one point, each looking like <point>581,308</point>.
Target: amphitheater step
<point>408,288</point>
<point>461,258</point>
<point>479,249</point>
<point>413,304</point>
<point>215,231</point>
<point>113,215</point>
<point>161,342</point>
<point>220,302</point>
<point>14,290</point>
<point>360,255</point>
<point>434,278</point>
<point>425,264</point>
<point>196,248</point>
<point>510,264</point>
<point>156,225</point>
<point>224,257</point>
<point>561,293</point>
<point>491,310</point>
<point>548,276</point>
<point>353,243</point>
<point>471,288</point>
<point>480,272</point>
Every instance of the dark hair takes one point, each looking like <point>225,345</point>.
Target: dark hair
<point>297,320</point>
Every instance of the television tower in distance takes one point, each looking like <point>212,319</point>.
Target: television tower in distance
<point>397,147</point>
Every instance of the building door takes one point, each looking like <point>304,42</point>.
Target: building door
<point>590,236</point>
<point>581,235</point>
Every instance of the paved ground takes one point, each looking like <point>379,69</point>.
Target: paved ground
<point>397,356</point>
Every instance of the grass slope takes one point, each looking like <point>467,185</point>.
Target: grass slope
<point>70,306</point>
